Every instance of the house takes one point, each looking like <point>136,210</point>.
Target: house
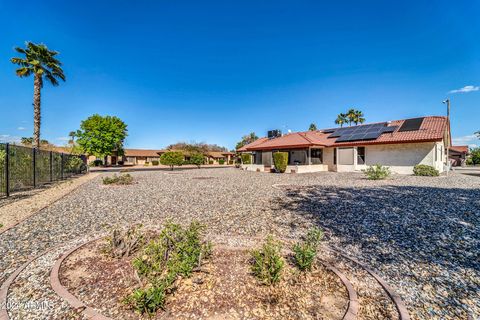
<point>399,144</point>
<point>140,156</point>
<point>216,157</point>
<point>458,155</point>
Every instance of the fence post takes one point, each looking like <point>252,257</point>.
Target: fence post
<point>7,169</point>
<point>61,171</point>
<point>34,151</point>
<point>51,166</point>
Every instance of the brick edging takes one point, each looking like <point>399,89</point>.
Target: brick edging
<point>394,296</point>
<point>59,289</point>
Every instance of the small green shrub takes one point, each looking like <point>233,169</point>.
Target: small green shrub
<point>246,158</point>
<point>75,164</point>
<point>96,163</point>
<point>280,161</point>
<point>230,162</point>
<point>306,251</point>
<point>172,158</point>
<point>176,252</point>
<point>155,163</point>
<point>221,161</point>
<point>210,161</point>
<point>425,170</point>
<point>469,162</point>
<point>122,179</point>
<point>146,164</point>
<point>267,262</point>
<point>197,159</point>
<point>377,172</point>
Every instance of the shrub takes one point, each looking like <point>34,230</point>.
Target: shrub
<point>267,262</point>
<point>469,162</point>
<point>172,158</point>
<point>176,252</point>
<point>121,179</point>
<point>246,158</point>
<point>96,163</point>
<point>75,164</point>
<point>221,161</point>
<point>306,251</point>
<point>425,170</point>
<point>280,161</point>
<point>124,243</point>
<point>155,163</point>
<point>230,162</point>
<point>146,164</point>
<point>197,159</point>
<point>377,172</point>
<point>475,155</point>
<point>120,163</point>
<point>210,161</point>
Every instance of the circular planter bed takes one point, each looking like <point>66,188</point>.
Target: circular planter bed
<point>223,288</point>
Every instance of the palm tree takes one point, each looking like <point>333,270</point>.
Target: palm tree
<point>41,62</point>
<point>359,117</point>
<point>313,127</point>
<point>350,116</point>
<point>341,119</point>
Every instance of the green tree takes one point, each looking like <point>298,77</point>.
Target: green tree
<point>101,136</point>
<point>172,158</point>
<point>40,62</point>
<point>358,117</point>
<point>249,138</point>
<point>475,155</point>
<point>28,142</point>
<point>197,159</point>
<point>341,119</point>
<point>313,127</point>
<point>280,161</point>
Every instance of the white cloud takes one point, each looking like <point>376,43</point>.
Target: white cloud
<point>21,128</point>
<point>6,138</point>
<point>471,140</point>
<point>465,89</point>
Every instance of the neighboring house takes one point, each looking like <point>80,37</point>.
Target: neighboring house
<point>399,144</point>
<point>139,156</point>
<point>216,156</point>
<point>458,155</point>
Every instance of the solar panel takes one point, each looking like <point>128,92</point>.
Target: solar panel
<point>389,129</point>
<point>361,132</point>
<point>371,135</point>
<point>411,125</point>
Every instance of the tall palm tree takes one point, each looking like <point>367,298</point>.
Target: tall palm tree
<point>350,116</point>
<point>41,62</point>
<point>359,117</point>
<point>313,127</point>
<point>341,119</point>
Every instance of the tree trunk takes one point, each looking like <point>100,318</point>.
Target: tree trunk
<point>37,86</point>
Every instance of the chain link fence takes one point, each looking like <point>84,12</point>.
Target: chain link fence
<point>23,168</point>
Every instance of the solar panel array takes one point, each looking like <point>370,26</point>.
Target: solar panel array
<point>362,132</point>
<point>411,125</point>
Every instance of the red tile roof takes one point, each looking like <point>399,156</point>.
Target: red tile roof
<point>433,128</point>
<point>459,149</point>
<point>142,153</point>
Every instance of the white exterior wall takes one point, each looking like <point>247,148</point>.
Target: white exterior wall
<point>307,168</point>
<point>253,167</point>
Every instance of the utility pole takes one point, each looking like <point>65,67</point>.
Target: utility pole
<point>447,102</point>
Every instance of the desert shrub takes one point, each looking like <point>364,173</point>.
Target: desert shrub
<point>123,243</point>
<point>377,172</point>
<point>425,170</point>
<point>230,162</point>
<point>469,162</point>
<point>221,161</point>
<point>306,250</point>
<point>176,252</point>
<point>96,163</point>
<point>172,158</point>
<point>120,163</point>
<point>280,161</point>
<point>146,164</point>
<point>210,161</point>
<point>246,158</point>
<point>75,164</point>
<point>197,159</point>
<point>155,163</point>
<point>267,262</point>
<point>121,179</point>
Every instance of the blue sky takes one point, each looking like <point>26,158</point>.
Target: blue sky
<point>213,71</point>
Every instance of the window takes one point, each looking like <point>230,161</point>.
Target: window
<point>334,155</point>
<point>316,156</point>
<point>361,155</point>
<point>345,156</point>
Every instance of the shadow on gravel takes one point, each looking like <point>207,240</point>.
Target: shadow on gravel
<point>421,231</point>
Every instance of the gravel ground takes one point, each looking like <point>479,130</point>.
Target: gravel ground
<point>421,234</point>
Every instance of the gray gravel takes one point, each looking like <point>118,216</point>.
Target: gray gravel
<point>421,234</point>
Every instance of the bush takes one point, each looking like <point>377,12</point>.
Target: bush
<point>475,155</point>
<point>267,263</point>
<point>120,163</point>
<point>172,158</point>
<point>121,179</point>
<point>210,161</point>
<point>306,251</point>
<point>155,163</point>
<point>221,161</point>
<point>96,163</point>
<point>230,162</point>
<point>246,158</point>
<point>197,159</point>
<point>377,172</point>
<point>469,162</point>
<point>425,170</point>
<point>176,252</point>
<point>75,164</point>
<point>280,161</point>
<point>124,243</point>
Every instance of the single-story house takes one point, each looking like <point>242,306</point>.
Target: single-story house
<point>399,144</point>
<point>217,156</point>
<point>458,155</point>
